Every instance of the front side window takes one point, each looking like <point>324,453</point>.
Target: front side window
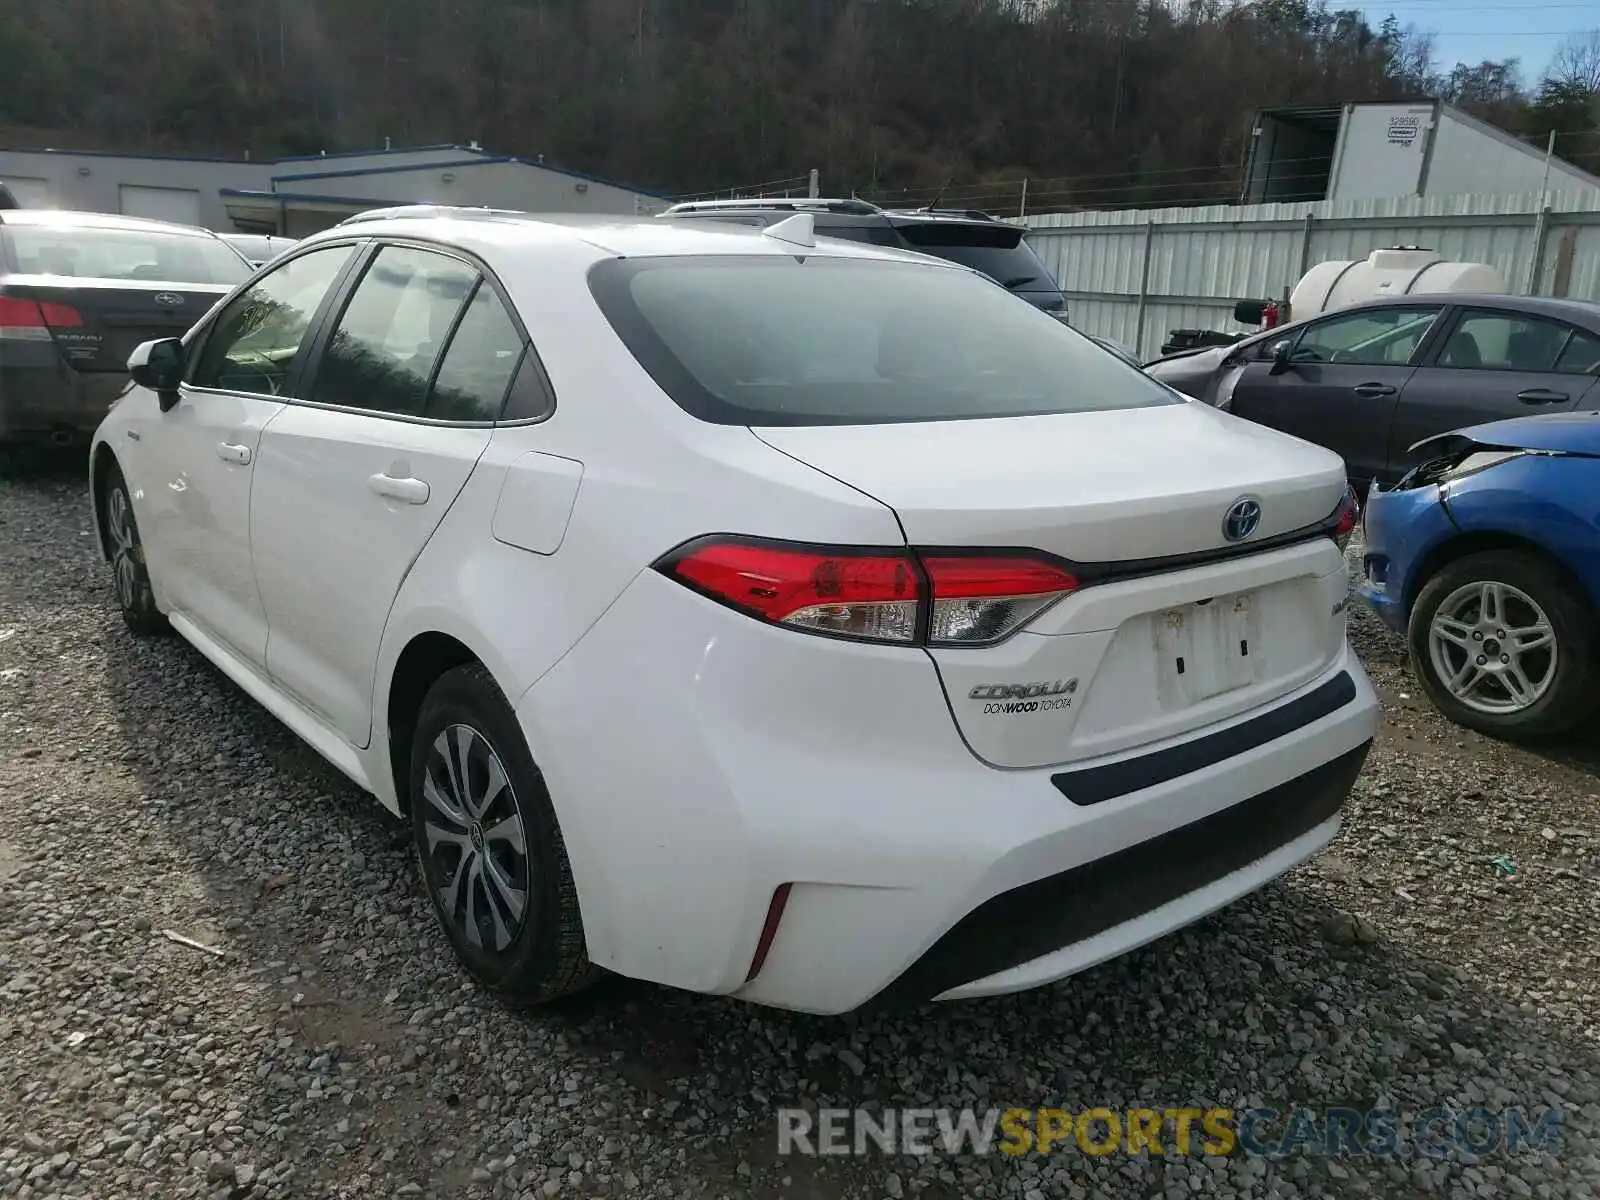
<point>817,340</point>
<point>392,332</point>
<point>256,337</point>
<point>1370,338</point>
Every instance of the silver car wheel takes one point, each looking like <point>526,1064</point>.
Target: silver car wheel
<point>475,839</point>
<point>1493,648</point>
<point>125,546</point>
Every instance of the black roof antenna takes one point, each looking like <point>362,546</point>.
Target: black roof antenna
<point>943,188</point>
<point>7,200</point>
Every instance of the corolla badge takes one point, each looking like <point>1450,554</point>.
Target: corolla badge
<point>169,299</point>
<point>1241,519</point>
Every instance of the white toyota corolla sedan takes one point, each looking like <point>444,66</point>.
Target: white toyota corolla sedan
<point>745,611</point>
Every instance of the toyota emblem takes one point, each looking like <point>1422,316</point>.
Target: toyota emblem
<point>169,299</point>
<point>1242,517</point>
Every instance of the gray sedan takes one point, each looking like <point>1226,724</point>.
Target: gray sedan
<point>1371,380</point>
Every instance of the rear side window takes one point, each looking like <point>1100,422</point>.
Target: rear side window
<point>1511,342</point>
<point>131,255</point>
<point>484,354</point>
<point>392,332</point>
<point>253,343</point>
<point>816,340</point>
<point>1581,356</point>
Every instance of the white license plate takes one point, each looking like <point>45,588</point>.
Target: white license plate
<point>1205,649</point>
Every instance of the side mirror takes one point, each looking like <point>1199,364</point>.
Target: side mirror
<point>1280,357</point>
<point>158,366</point>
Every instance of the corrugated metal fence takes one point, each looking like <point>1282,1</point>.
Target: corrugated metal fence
<point>1134,275</point>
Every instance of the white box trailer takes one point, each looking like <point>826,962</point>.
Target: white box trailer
<point>1342,152</point>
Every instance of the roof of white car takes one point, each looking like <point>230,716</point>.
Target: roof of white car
<point>629,237</point>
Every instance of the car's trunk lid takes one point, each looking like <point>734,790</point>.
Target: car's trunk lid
<point>1092,487</point>
<point>95,324</point>
<point>1168,635</point>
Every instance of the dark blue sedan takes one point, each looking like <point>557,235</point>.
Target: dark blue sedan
<point>1487,557</point>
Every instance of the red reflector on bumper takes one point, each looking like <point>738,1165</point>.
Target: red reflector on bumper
<point>769,929</point>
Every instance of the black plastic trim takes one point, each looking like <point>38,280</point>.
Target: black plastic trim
<point>1095,785</point>
<point>1039,918</point>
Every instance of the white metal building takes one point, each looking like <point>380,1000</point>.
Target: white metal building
<point>1387,151</point>
<point>298,196</point>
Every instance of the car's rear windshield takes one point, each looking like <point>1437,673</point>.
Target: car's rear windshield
<point>135,255</point>
<point>818,340</point>
<point>998,251</point>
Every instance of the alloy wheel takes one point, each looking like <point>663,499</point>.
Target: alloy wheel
<point>125,547</point>
<point>475,839</point>
<point>1493,647</point>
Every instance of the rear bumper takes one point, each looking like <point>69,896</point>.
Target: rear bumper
<point>1056,926</point>
<point>699,761</point>
<point>55,403</point>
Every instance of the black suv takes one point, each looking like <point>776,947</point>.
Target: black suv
<point>966,236</point>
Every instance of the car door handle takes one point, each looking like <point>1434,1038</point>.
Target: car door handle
<point>230,452</point>
<point>1542,396</point>
<point>407,490</point>
<point>1374,389</point>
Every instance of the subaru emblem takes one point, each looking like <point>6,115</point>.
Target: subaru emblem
<point>1243,515</point>
<point>169,299</point>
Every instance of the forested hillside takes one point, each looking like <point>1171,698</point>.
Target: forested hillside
<point>1105,102</point>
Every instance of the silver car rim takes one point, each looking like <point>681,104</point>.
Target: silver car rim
<point>1493,648</point>
<point>125,546</point>
<point>476,844</point>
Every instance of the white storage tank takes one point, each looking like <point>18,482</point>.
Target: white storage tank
<point>1397,271</point>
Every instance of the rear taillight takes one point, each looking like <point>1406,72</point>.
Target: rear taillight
<point>23,319</point>
<point>850,593</point>
<point>980,599</point>
<point>1348,518</point>
<point>873,594</point>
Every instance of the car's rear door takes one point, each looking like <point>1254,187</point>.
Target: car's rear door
<point>353,478</point>
<point>1488,365</point>
<point>1342,384</point>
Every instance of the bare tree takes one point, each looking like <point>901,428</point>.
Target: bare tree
<point>1577,62</point>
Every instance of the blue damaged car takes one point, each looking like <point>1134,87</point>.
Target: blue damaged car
<point>1486,556</point>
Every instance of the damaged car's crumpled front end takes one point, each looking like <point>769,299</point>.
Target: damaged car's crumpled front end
<point>1486,555</point>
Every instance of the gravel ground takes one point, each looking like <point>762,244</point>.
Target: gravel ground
<point>333,1049</point>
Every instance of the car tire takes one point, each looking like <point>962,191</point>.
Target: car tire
<point>129,572</point>
<point>1534,602</point>
<point>489,847</point>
